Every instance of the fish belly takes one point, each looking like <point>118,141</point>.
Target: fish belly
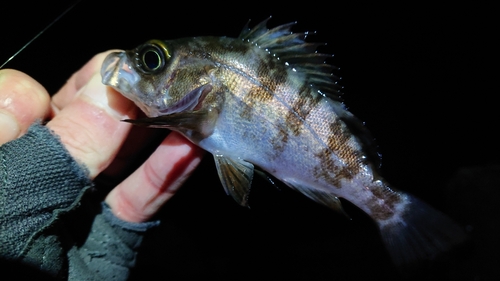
<point>298,155</point>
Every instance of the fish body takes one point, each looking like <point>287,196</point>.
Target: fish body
<point>266,100</point>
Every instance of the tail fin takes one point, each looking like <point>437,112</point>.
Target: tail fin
<point>421,233</point>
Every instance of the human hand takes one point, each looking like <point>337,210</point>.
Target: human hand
<point>86,116</point>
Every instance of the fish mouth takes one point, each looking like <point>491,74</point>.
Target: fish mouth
<point>190,102</point>
<point>119,74</point>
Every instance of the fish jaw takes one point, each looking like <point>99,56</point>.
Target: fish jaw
<point>118,73</point>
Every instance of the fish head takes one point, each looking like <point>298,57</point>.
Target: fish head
<point>160,77</point>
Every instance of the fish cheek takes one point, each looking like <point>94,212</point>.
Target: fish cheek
<point>184,83</point>
<point>151,91</point>
<point>189,78</point>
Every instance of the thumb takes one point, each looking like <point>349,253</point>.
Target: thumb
<point>22,101</point>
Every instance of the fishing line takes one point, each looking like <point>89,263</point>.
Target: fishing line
<point>41,32</point>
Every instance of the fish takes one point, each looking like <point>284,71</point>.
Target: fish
<point>267,102</point>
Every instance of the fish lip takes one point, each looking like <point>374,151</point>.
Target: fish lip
<point>191,101</point>
<point>109,65</point>
<point>117,72</point>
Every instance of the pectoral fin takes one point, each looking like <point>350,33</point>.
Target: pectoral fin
<point>327,199</point>
<point>236,177</point>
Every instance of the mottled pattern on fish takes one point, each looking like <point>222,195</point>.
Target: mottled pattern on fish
<point>267,99</point>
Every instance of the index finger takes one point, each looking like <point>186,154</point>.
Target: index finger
<point>88,118</point>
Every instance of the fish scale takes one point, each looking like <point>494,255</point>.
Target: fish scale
<point>237,99</point>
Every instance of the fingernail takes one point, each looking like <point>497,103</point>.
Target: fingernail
<point>9,128</point>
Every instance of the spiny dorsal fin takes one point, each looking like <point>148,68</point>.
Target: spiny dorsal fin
<point>292,49</point>
<point>295,52</point>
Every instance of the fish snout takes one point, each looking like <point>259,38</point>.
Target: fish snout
<point>117,72</point>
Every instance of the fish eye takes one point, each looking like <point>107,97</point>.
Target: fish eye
<point>152,57</point>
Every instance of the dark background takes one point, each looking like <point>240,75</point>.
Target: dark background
<point>420,76</point>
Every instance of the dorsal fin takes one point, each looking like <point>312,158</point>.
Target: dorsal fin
<point>292,49</point>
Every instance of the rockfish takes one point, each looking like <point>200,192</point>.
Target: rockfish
<point>267,101</point>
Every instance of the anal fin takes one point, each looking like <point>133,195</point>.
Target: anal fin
<point>324,198</point>
<point>236,176</point>
<point>266,177</point>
